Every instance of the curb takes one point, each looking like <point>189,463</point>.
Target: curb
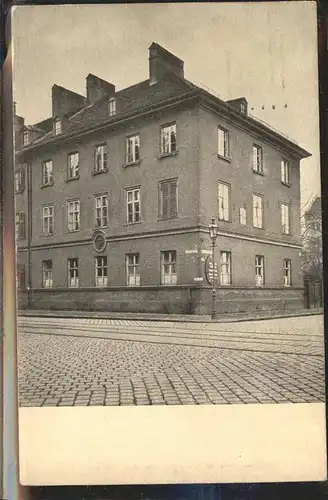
<point>157,318</point>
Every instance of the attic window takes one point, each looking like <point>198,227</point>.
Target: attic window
<point>57,126</point>
<point>112,107</point>
<point>243,107</point>
<point>25,138</point>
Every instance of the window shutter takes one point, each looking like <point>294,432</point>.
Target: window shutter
<point>173,199</point>
<point>165,199</point>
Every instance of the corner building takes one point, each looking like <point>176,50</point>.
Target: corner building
<point>115,192</point>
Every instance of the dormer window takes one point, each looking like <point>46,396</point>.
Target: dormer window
<point>25,138</point>
<point>242,107</point>
<point>57,126</point>
<point>112,107</point>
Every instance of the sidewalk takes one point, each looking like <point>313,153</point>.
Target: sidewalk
<point>222,318</point>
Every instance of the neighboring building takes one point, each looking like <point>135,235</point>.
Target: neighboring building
<point>116,190</point>
<point>312,258</point>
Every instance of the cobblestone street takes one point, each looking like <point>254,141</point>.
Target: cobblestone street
<point>65,362</point>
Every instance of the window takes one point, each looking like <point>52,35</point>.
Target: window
<point>287,272</point>
<point>19,181</point>
<point>168,207</point>
<point>47,173</point>
<point>168,139</point>
<point>257,211</point>
<point>223,142</point>
<point>112,107</point>
<point>48,220</point>
<point>21,277</point>
<point>169,268</point>
<point>259,270</point>
<point>58,126</point>
<point>73,273</point>
<point>225,268</point>
<point>284,171</point>
<point>101,158</point>
<point>101,271</point>
<point>285,226</point>
<point>132,149</point>
<point>73,165</point>
<point>101,210</point>
<point>133,205</point>
<point>223,201</point>
<point>26,138</point>
<point>242,216</point>
<point>242,107</point>
<point>257,159</point>
<point>47,278</point>
<point>20,225</point>
<point>133,269</point>
<point>73,215</point>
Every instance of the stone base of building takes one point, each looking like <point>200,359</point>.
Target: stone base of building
<point>164,300</point>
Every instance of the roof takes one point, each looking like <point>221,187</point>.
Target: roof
<point>142,97</point>
<point>315,207</point>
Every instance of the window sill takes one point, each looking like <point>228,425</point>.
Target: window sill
<point>98,172</point>
<point>258,173</point>
<point>47,235</point>
<point>165,155</point>
<point>225,220</point>
<point>46,185</point>
<point>100,228</point>
<point>127,224</point>
<point>285,234</point>
<point>167,218</point>
<point>131,164</point>
<point>69,179</point>
<point>225,158</point>
<point>257,227</point>
<point>287,184</point>
<point>21,191</point>
<point>73,231</point>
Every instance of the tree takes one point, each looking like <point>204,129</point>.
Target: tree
<point>312,261</point>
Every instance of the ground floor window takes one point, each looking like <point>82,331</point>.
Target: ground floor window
<point>225,268</point>
<point>47,277</point>
<point>21,278</point>
<point>259,270</point>
<point>133,269</point>
<point>287,272</point>
<point>101,271</point>
<point>169,268</point>
<point>73,273</point>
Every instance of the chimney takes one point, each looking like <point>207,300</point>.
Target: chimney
<point>98,88</point>
<point>240,104</point>
<point>162,62</point>
<point>65,101</point>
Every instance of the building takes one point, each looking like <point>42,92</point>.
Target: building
<point>115,192</point>
<point>312,241</point>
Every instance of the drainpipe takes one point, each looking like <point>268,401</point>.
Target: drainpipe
<point>29,234</point>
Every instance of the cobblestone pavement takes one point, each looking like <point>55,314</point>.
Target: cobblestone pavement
<point>65,362</point>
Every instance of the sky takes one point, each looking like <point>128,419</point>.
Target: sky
<point>265,52</point>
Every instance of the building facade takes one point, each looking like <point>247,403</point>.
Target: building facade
<point>115,192</point>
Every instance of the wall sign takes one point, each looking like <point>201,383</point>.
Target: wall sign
<point>209,270</point>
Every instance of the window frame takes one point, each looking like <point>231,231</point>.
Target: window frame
<point>20,276</point>
<point>262,267</point>
<point>49,271</point>
<point>226,209</point>
<point>172,214</point>
<point>287,268</point>
<point>48,218</point>
<point>58,126</point>
<point>135,138</point>
<point>19,180</point>
<point>170,263</point>
<point>225,141</point>
<point>75,169</point>
<point>258,197</point>
<point>104,276</point>
<point>101,196</point>
<point>243,217</point>
<point>20,225</point>
<point>112,106</point>
<point>68,203</point>
<point>258,166</point>
<point>76,278</point>
<point>285,172</point>
<point>135,266</point>
<point>170,151</point>
<point>226,263</point>
<point>283,224</point>
<point>103,158</point>
<point>136,214</point>
<point>45,174</point>
<point>26,137</point>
